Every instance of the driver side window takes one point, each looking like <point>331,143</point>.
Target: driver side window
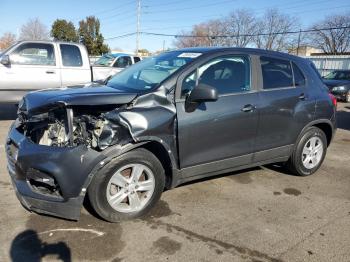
<point>229,74</point>
<point>123,61</point>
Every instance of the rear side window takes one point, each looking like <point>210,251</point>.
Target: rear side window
<point>34,54</point>
<point>277,73</point>
<point>137,59</point>
<point>71,55</point>
<point>299,79</point>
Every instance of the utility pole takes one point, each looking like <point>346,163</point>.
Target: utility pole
<point>298,42</point>
<point>138,26</point>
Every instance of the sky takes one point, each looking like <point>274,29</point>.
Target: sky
<point>118,17</point>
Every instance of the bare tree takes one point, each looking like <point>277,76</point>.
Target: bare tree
<point>7,40</point>
<point>204,34</point>
<point>34,30</point>
<point>333,41</point>
<point>242,24</point>
<point>272,30</point>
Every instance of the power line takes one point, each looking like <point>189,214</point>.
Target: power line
<point>246,35</point>
<point>120,36</point>
<point>107,10</point>
<point>167,4</point>
<point>190,8</point>
<point>232,36</point>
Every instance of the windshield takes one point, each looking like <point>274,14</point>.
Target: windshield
<point>149,73</point>
<point>105,60</point>
<point>338,75</point>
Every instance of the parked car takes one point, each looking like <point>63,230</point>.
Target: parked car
<point>179,116</point>
<point>338,82</point>
<point>110,64</point>
<point>34,65</point>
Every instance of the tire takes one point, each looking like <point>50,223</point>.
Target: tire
<point>298,163</point>
<point>105,193</point>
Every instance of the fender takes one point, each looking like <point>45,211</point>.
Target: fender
<point>315,122</point>
<point>117,150</point>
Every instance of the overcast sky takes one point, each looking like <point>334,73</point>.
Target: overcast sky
<point>118,17</point>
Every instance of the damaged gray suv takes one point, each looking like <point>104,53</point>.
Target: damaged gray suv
<point>170,119</point>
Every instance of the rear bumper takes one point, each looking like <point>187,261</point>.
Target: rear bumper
<point>69,170</point>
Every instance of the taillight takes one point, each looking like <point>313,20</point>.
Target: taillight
<point>334,100</point>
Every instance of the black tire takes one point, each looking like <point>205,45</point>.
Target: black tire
<point>295,164</point>
<point>98,186</point>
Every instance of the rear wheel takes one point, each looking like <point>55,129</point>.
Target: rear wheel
<point>308,153</point>
<point>128,186</point>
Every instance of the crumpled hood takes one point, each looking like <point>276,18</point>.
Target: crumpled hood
<point>39,101</point>
<point>333,83</point>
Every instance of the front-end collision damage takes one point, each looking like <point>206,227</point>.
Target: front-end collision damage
<point>150,116</point>
<point>61,146</point>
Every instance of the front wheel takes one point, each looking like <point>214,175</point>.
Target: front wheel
<point>308,153</point>
<point>128,186</point>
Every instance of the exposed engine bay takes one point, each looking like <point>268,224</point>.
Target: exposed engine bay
<point>90,126</point>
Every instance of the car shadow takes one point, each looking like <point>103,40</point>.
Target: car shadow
<point>27,246</point>
<point>8,111</point>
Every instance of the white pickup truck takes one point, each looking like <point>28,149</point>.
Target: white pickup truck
<point>110,64</point>
<point>33,65</point>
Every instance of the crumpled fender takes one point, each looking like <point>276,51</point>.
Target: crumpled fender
<point>152,117</point>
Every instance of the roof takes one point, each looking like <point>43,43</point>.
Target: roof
<point>48,41</point>
<point>119,54</point>
<point>245,50</point>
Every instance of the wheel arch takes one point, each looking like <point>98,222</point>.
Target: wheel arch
<point>157,148</point>
<point>325,125</point>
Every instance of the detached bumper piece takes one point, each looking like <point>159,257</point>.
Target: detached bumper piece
<point>49,180</point>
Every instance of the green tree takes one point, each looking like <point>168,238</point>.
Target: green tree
<point>64,31</point>
<point>90,36</point>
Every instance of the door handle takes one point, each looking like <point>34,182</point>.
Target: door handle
<point>248,108</point>
<point>50,72</point>
<point>302,96</point>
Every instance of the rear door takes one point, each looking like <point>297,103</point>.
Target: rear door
<point>284,107</point>
<point>75,66</point>
<point>221,132</point>
<point>33,66</point>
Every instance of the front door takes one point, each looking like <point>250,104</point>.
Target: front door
<point>223,130</point>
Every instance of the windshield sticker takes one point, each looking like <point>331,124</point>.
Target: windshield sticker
<point>189,55</point>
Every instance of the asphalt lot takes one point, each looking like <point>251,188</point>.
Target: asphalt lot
<point>261,214</point>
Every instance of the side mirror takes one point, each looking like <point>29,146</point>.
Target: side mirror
<point>5,60</point>
<point>203,93</point>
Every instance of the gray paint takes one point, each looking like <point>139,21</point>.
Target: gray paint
<point>216,137</point>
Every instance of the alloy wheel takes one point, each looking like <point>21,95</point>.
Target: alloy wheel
<point>312,152</point>
<point>130,188</point>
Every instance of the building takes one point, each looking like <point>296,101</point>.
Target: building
<point>305,50</point>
